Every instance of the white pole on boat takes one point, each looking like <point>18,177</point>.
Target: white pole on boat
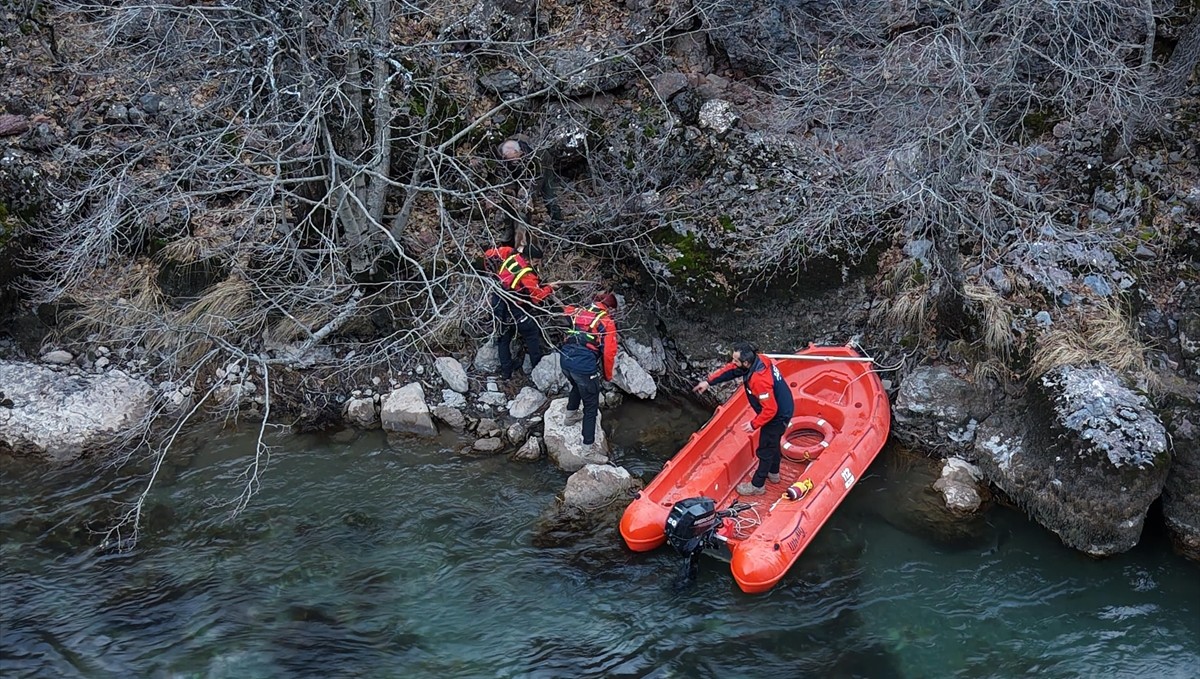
<point>825,359</point>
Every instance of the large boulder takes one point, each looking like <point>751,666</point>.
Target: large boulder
<point>452,372</point>
<point>631,378</point>
<point>1181,493</point>
<point>936,411</point>
<point>564,442</point>
<point>1087,461</point>
<point>62,416</point>
<point>597,486</point>
<point>405,411</point>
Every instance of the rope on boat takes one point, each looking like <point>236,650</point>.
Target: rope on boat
<point>744,525</point>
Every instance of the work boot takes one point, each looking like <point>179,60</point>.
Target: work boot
<point>594,451</point>
<point>750,489</point>
<point>573,416</point>
<point>773,478</point>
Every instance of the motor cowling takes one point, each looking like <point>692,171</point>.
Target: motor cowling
<point>691,524</point>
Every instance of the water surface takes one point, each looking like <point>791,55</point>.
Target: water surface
<point>360,560</point>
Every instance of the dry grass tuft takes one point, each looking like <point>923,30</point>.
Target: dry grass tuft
<point>910,309</point>
<point>1105,335</point>
<point>996,319</point>
<point>186,250</point>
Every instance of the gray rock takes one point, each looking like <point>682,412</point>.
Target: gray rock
<point>452,416</point>
<point>1098,285</point>
<point>517,432</point>
<point>1181,493</point>
<point>360,412</point>
<point>452,372</point>
<point>564,442</point>
<point>101,363</point>
<point>117,113</point>
<point>149,103</point>
<point>717,116</point>
<point>1043,319</point>
<point>487,359</point>
<point>493,398</point>
<point>488,445</point>
<point>501,82</point>
<point>597,486</point>
<point>488,427</point>
<point>527,402</point>
<point>405,411</point>
<point>959,485</point>
<point>453,399</point>
<point>530,452</point>
<point>666,85</point>
<point>1088,403</point>
<point>998,279</point>
<point>938,412</point>
<point>58,357</point>
<point>652,357</point>
<point>582,72</point>
<point>629,377</point>
<point>62,417</point>
<point>548,375</point>
<point>1073,463</point>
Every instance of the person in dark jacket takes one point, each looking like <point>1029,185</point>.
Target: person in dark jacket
<point>589,351</point>
<point>523,176</point>
<point>512,307</point>
<point>772,402</point>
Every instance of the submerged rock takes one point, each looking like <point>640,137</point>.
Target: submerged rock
<point>61,416</point>
<point>959,485</point>
<point>597,486</point>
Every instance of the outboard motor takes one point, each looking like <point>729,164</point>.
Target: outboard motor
<point>692,527</point>
<point>691,524</point>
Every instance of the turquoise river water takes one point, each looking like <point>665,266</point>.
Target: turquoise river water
<point>357,559</point>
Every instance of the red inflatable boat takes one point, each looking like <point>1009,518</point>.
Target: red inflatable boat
<point>841,422</point>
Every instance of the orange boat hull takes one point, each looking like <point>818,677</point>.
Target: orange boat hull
<point>841,422</point>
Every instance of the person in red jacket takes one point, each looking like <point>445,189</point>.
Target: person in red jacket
<point>772,402</point>
<point>513,305</point>
<point>589,350</point>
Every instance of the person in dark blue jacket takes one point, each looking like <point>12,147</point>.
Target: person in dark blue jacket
<point>589,351</point>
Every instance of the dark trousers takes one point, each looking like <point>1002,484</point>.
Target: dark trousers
<point>769,452</point>
<point>513,319</point>
<point>585,389</point>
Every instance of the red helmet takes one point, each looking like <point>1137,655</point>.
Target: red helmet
<point>607,299</point>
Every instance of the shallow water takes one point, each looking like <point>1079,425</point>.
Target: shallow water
<point>358,560</point>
